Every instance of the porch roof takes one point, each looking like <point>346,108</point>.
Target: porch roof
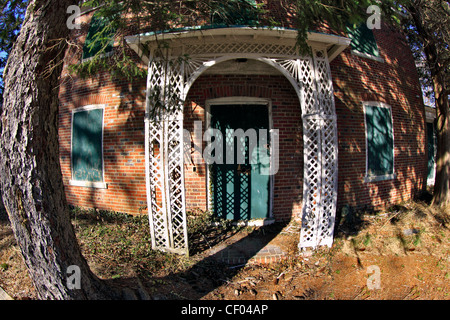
<point>142,43</point>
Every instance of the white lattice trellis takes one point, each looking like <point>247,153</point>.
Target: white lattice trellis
<point>320,157</point>
<point>168,83</point>
<point>164,153</point>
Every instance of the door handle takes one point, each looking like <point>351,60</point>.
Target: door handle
<point>244,169</point>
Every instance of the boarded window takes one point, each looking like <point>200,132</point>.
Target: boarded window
<point>100,35</point>
<point>87,151</point>
<point>380,141</point>
<point>431,135</point>
<point>363,40</point>
<point>235,13</point>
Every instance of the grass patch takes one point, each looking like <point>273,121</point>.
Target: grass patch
<point>401,229</point>
<point>119,245</point>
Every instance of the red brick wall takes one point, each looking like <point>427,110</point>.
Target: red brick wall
<point>356,79</point>
<point>394,82</point>
<point>123,143</point>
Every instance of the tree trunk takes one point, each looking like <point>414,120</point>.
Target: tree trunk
<point>31,178</point>
<point>441,193</point>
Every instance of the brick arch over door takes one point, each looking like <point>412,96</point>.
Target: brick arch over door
<point>244,86</point>
<point>173,77</point>
<point>286,118</point>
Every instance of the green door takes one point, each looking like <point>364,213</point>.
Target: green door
<point>240,185</point>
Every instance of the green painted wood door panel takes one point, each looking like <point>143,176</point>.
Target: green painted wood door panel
<point>241,185</point>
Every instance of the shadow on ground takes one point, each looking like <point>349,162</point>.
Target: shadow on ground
<point>219,264</point>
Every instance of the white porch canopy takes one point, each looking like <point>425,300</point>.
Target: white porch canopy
<point>177,59</point>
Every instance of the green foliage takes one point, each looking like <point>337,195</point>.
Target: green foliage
<point>434,30</point>
<point>120,65</point>
<point>337,14</point>
<point>138,16</point>
<point>118,239</point>
<point>236,13</point>
<point>100,28</point>
<point>13,12</point>
<point>122,18</point>
<point>198,221</point>
<point>108,26</point>
<point>117,243</point>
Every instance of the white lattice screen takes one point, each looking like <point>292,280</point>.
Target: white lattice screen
<point>164,148</point>
<point>168,83</point>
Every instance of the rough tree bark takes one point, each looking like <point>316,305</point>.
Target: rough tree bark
<point>441,193</point>
<point>31,178</point>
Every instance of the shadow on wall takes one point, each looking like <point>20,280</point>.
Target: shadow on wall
<point>395,86</point>
<point>123,141</point>
<point>123,133</point>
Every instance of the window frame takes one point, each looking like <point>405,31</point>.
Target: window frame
<point>388,176</point>
<point>431,180</point>
<point>88,184</point>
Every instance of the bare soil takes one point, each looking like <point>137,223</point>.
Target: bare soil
<point>409,244</point>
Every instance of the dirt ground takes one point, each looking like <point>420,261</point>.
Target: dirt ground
<point>403,253</point>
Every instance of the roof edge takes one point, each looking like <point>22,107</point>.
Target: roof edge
<point>335,44</point>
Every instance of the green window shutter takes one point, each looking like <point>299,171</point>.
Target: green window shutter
<point>431,150</point>
<point>99,35</point>
<point>87,154</point>
<point>363,40</point>
<point>235,13</point>
<point>380,141</point>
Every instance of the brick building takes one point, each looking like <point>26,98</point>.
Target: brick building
<point>345,126</point>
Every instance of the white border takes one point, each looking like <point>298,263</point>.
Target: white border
<point>88,184</point>
<point>367,56</point>
<point>431,181</point>
<point>393,175</point>
<point>101,56</point>
<point>242,100</point>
